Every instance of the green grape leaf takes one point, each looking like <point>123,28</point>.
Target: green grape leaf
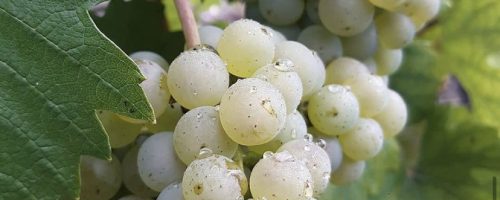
<point>140,25</point>
<point>56,69</point>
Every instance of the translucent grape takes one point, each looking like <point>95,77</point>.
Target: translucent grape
<point>214,177</point>
<point>343,69</point>
<point>388,60</point>
<point>120,132</point>
<point>252,112</point>
<point>394,30</point>
<point>281,12</point>
<point>361,46</point>
<point>371,64</point>
<point>364,141</point>
<point>276,36</point>
<point>291,32</point>
<point>371,92</point>
<point>420,11</point>
<point>210,35</point>
<point>334,151</point>
<point>393,117</point>
<point>168,120</point>
<point>295,127</point>
<point>280,176</point>
<point>317,38</point>
<point>316,160</point>
<point>198,78</point>
<point>349,171</point>
<point>201,128</point>
<point>334,110</point>
<point>346,17</point>
<point>130,174</point>
<point>390,5</point>
<point>245,46</point>
<point>312,11</point>
<point>100,179</point>
<point>171,192</point>
<point>157,162</point>
<point>281,75</point>
<point>307,64</point>
<point>151,56</point>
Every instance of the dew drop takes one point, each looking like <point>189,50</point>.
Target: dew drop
<point>204,153</point>
<point>293,134</point>
<point>308,137</point>
<point>307,148</point>
<point>217,108</point>
<point>284,65</point>
<point>326,176</point>
<point>268,154</point>
<point>321,143</point>
<point>195,93</point>
<point>267,106</point>
<point>199,115</point>
<point>253,89</point>
<point>334,89</point>
<point>283,156</point>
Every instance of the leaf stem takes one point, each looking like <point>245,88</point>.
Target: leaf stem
<point>188,22</point>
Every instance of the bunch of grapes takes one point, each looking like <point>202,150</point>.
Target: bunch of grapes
<point>251,113</point>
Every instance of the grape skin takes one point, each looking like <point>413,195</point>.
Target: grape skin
<point>344,69</point>
<point>100,179</point>
<point>210,35</point>
<point>131,177</point>
<point>281,12</point>
<point>317,38</point>
<point>364,141</point>
<point>119,131</point>
<point>151,56</point>
<point>394,30</point>
<point>171,192</point>
<point>388,60</point>
<point>394,116</point>
<point>371,92</point>
<point>349,171</point>
<point>361,46</point>
<point>346,17</point>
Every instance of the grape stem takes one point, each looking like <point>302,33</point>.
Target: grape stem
<point>188,23</point>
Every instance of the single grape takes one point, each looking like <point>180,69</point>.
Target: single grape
<point>343,69</point>
<point>157,162</point>
<point>393,117</point>
<point>214,177</point>
<point>120,132</point>
<point>252,112</point>
<point>420,11</point>
<point>394,30</point>
<point>295,127</point>
<point>276,36</point>
<point>361,46</point>
<point>291,32</point>
<point>282,75</point>
<point>281,12</point>
<point>307,64</point>
<point>316,160</point>
<point>390,5</point>
<point>371,92</point>
<point>281,176</point>
<point>334,151</point>
<point>133,197</point>
<point>210,35</point>
<point>388,60</point>
<point>168,120</point>
<point>349,171</point>
<point>312,11</point>
<point>252,11</point>
<point>198,78</point>
<point>371,64</point>
<point>100,179</point>
<point>171,192</point>
<point>346,17</point>
<point>201,128</point>
<point>245,46</point>
<point>131,177</point>
<point>364,141</point>
<point>317,38</point>
<point>151,56</point>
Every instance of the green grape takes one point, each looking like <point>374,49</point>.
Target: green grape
<point>388,60</point>
<point>344,69</point>
<point>120,132</point>
<point>420,11</point>
<point>276,36</point>
<point>312,11</point>
<point>334,110</point>
<point>334,151</point>
<point>252,112</point>
<point>245,46</point>
<point>168,120</point>
<point>349,171</point>
<point>171,192</point>
<point>394,30</point>
<point>151,56</point>
<point>281,12</point>
<point>198,78</point>
<point>371,92</point>
<point>346,17</point>
<point>291,32</point>
<point>317,38</point>
<point>390,5</point>
<point>131,177</point>
<point>100,179</point>
<point>393,117</point>
<point>210,35</point>
<point>364,142</point>
<point>361,46</point>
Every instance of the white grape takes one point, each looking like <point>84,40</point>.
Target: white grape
<point>276,36</point>
<point>291,32</point>
<point>343,69</point>
<point>420,11</point>
<point>131,177</point>
<point>390,5</point>
<point>394,30</point>
<point>157,162</point>
<point>281,12</point>
<point>393,118</point>
<point>316,160</point>
<point>334,151</point>
<point>214,177</point>
<point>120,132</point>
<point>349,171</point>
<point>201,128</point>
<point>171,192</point>
<point>100,179</point>
<point>295,127</point>
<point>317,38</point>
<point>198,78</point>
<point>361,46</point>
<point>133,197</point>
<point>151,56</point>
<point>364,141</point>
<point>346,17</point>
<point>312,11</point>
<point>371,64</point>
<point>334,110</point>
<point>281,176</point>
<point>245,46</point>
<point>307,64</point>
<point>252,112</point>
<point>371,92</point>
<point>281,75</point>
<point>388,60</point>
<point>168,120</point>
<point>210,35</point>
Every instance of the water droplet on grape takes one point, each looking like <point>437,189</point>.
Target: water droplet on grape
<point>334,88</point>
<point>308,137</point>
<point>284,65</point>
<point>268,154</point>
<point>307,148</point>
<point>253,89</point>
<point>321,143</point>
<point>267,106</point>
<point>293,134</point>
<point>199,115</point>
<point>204,153</point>
<point>326,176</point>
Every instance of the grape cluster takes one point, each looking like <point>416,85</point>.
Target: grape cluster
<point>236,116</point>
